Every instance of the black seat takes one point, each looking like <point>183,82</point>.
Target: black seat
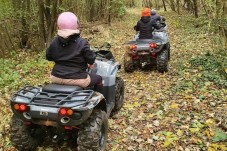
<point>58,88</point>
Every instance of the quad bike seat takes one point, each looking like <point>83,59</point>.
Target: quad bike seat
<point>58,88</point>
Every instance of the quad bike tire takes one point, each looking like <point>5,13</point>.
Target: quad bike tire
<point>128,64</point>
<point>92,135</point>
<point>168,48</point>
<point>163,61</point>
<point>25,138</point>
<point>119,94</point>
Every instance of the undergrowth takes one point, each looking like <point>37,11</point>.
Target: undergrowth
<point>22,69</point>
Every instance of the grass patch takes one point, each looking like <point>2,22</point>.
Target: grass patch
<point>210,69</point>
<point>24,68</point>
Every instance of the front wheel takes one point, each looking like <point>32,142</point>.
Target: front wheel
<point>162,61</point>
<point>93,133</point>
<point>24,137</point>
<point>119,94</point>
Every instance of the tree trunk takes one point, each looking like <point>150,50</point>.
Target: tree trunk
<point>178,7</point>
<point>23,34</point>
<point>224,16</point>
<point>225,38</point>
<point>109,12</point>
<point>164,5</point>
<point>52,21</point>
<point>172,6</point>
<point>204,6</point>
<point>42,31</point>
<point>147,3</point>
<point>195,8</point>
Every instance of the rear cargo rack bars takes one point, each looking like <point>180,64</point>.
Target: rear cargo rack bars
<point>37,97</point>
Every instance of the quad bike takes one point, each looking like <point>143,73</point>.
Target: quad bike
<point>142,53</point>
<point>68,113</point>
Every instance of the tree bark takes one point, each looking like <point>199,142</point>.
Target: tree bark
<point>178,7</point>
<point>204,6</point>
<point>164,5</point>
<point>172,6</point>
<point>42,30</point>
<point>52,21</point>
<point>195,8</point>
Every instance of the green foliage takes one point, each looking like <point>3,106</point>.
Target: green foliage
<point>118,8</point>
<point>210,69</point>
<point>20,70</point>
<point>219,136</point>
<point>5,9</point>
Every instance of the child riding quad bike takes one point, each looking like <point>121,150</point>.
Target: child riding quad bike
<point>63,112</point>
<point>142,53</point>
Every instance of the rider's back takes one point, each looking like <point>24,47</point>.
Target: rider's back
<point>145,26</point>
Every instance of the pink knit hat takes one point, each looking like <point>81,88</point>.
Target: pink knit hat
<point>67,20</point>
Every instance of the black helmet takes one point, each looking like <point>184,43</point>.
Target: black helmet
<point>153,12</point>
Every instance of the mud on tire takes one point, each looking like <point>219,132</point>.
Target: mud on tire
<point>93,133</point>
<point>24,137</point>
<point>128,64</point>
<point>119,94</point>
<point>162,61</point>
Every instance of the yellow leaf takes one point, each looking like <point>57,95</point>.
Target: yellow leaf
<point>167,143</point>
<point>151,115</point>
<point>213,147</point>
<point>174,105</point>
<point>194,130</point>
<point>188,97</point>
<point>223,147</point>
<point>209,122</point>
<point>180,132</point>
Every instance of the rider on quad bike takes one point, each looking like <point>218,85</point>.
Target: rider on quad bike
<point>68,109</point>
<point>160,20</point>
<point>155,16</point>
<point>150,46</point>
<point>145,25</point>
<point>72,55</point>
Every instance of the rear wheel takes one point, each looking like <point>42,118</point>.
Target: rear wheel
<point>119,94</point>
<point>25,137</point>
<point>128,64</point>
<point>93,133</point>
<point>162,61</point>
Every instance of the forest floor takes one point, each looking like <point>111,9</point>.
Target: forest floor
<point>183,109</point>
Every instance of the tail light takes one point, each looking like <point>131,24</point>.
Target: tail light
<point>20,107</point>
<point>132,47</point>
<point>65,111</point>
<point>153,45</point>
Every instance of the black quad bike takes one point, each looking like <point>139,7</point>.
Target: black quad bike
<point>155,52</point>
<point>68,113</point>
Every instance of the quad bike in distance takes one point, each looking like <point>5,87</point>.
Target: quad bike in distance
<point>68,113</point>
<point>143,53</point>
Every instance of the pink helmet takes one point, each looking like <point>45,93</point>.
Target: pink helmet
<point>67,20</point>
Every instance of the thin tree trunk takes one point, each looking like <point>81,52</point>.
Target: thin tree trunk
<point>225,39</point>
<point>172,6</point>
<point>195,8</point>
<point>42,30</point>
<point>164,5</point>
<point>204,7</point>
<point>178,7</point>
<point>109,12</point>
<point>52,21</point>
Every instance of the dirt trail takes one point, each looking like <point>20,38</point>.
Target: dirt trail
<point>154,116</point>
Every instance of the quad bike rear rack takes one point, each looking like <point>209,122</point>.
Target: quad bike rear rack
<point>34,96</point>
